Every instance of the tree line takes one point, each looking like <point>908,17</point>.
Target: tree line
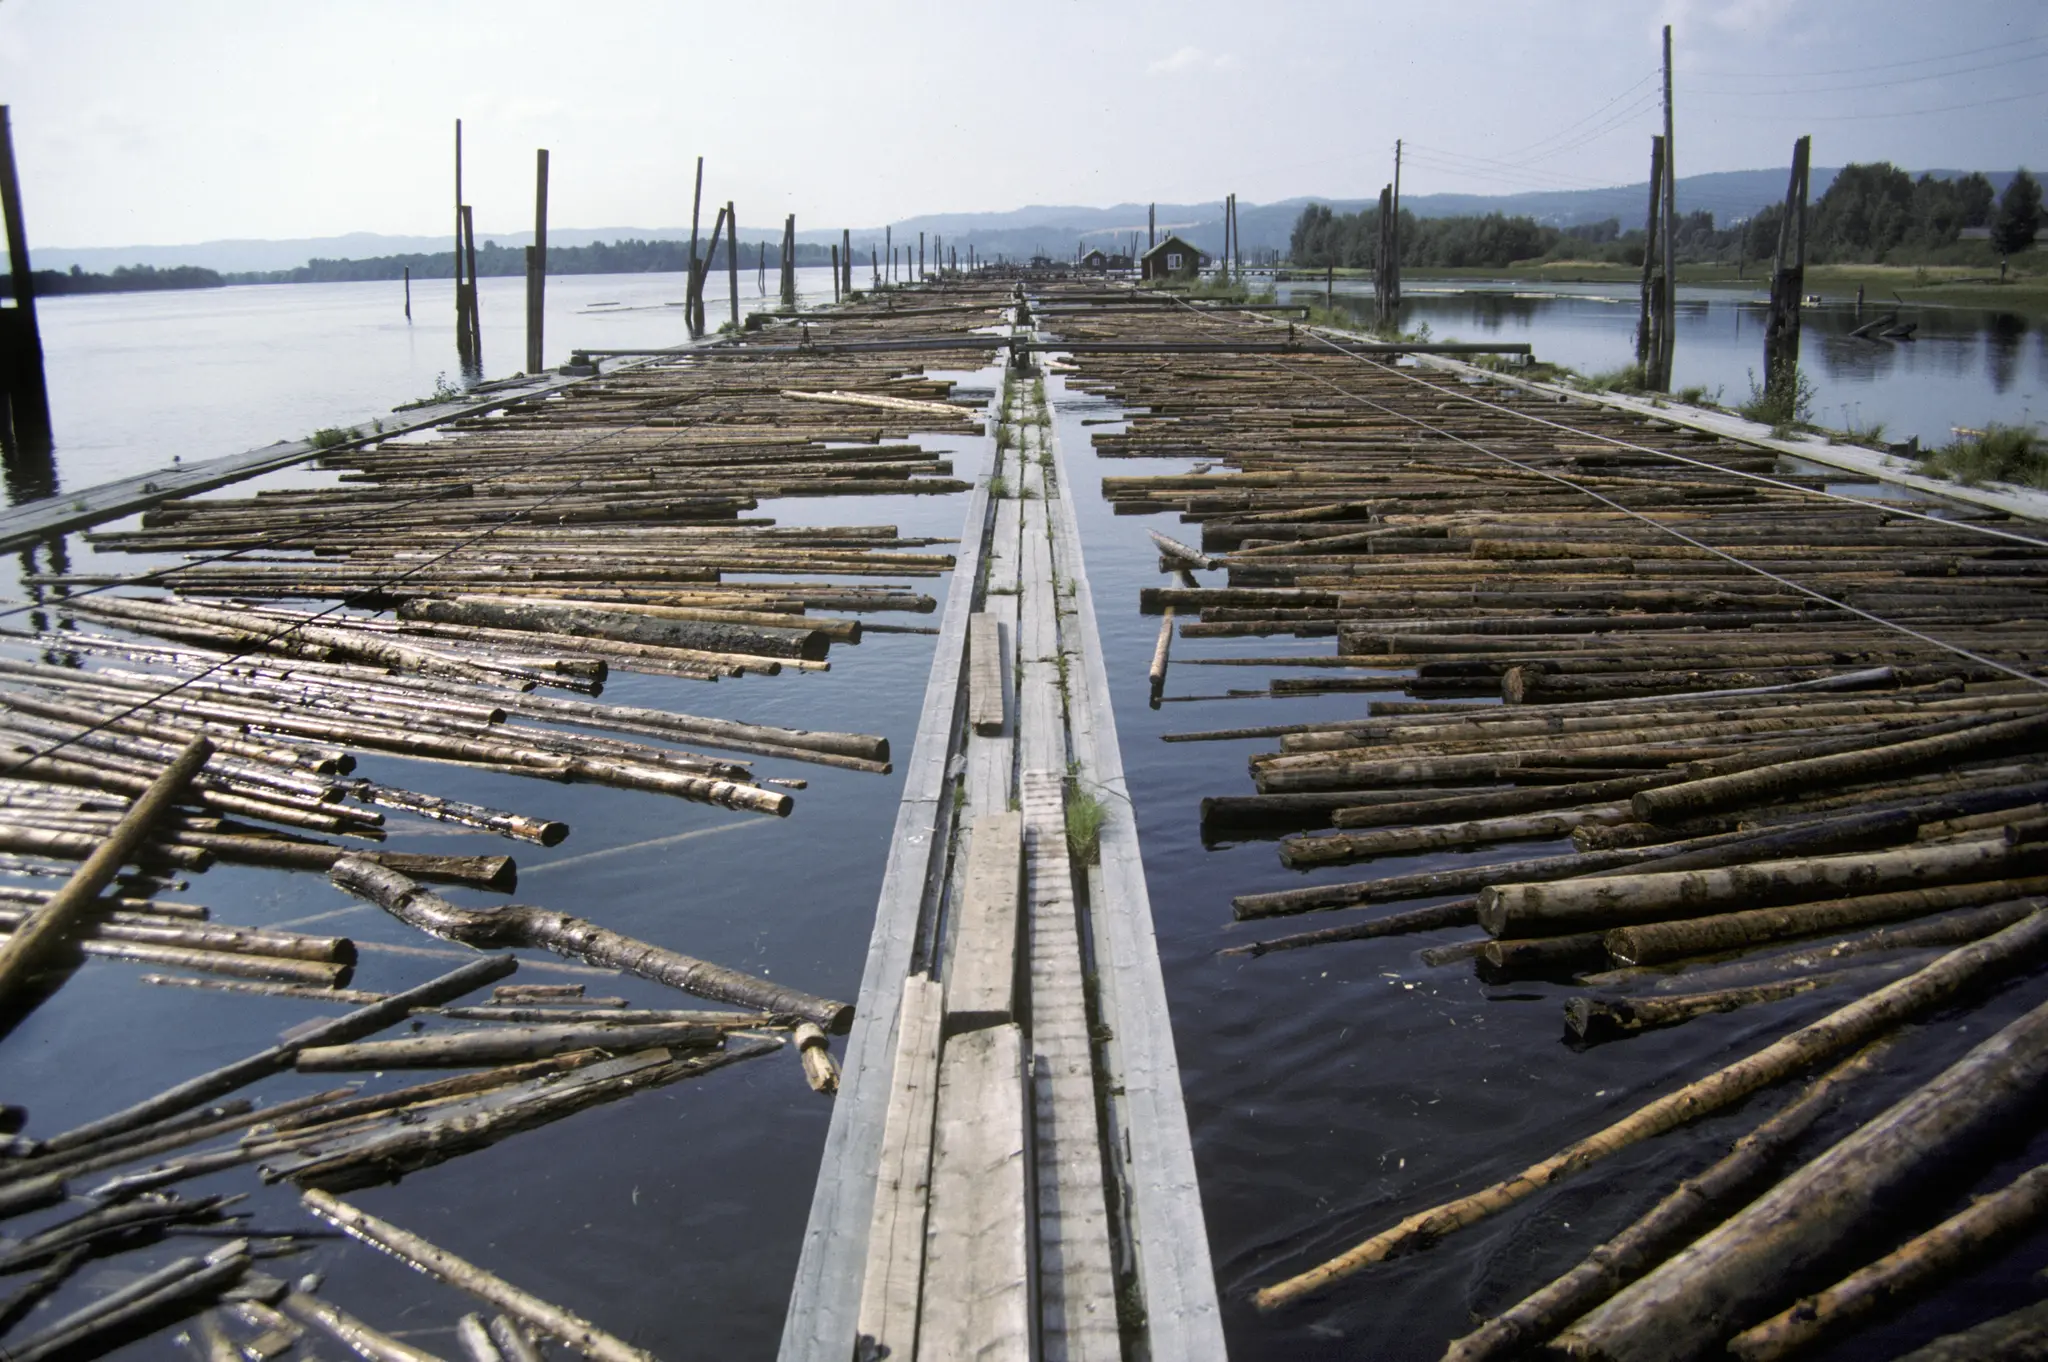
<point>125,279</point>
<point>1871,214</point>
<point>631,256</point>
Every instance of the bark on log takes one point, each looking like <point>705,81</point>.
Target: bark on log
<point>1852,1025</point>
<point>1690,1206</point>
<point>1587,902</point>
<point>1733,1275</point>
<point>563,934</point>
<point>2018,1337</point>
<point>503,1045</point>
<point>808,644</point>
<point>1904,1271</point>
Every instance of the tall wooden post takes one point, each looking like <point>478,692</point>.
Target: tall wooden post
<point>537,265</point>
<point>1151,225</point>
<point>1383,261</point>
<point>1788,280</point>
<point>1666,338</point>
<point>462,330</point>
<point>1650,317</point>
<point>732,261</point>
<point>1394,237</point>
<point>835,271</point>
<point>846,259</point>
<point>920,257</point>
<point>31,473</point>
<point>693,294</point>
<point>889,249</point>
<point>875,265</point>
<point>476,325</point>
<point>408,293</point>
<point>761,273</point>
<point>789,261</point>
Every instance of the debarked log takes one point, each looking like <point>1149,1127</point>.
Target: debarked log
<point>1851,1025</point>
<point>563,934</point>
<point>1733,1275</point>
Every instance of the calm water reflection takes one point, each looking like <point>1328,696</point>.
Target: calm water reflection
<point>1967,366</point>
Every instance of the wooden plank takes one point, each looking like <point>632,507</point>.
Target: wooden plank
<point>981,989</point>
<point>895,1249</point>
<point>824,1301</point>
<point>1077,1284</point>
<point>984,674</point>
<point>977,1296</point>
<point>1176,1278</point>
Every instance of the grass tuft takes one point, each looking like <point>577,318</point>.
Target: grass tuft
<point>2014,454</point>
<point>1782,405</point>
<point>1084,825</point>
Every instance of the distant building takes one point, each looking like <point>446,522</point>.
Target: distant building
<point>1103,261</point>
<point>1172,258</point>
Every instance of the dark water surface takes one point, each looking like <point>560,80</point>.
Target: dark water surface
<point>1331,1091</point>
<point>1334,1090</point>
<point>1968,367</point>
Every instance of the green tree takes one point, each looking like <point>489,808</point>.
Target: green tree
<point>2019,215</point>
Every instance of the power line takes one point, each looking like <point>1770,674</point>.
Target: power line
<point>1872,84</point>
<point>1881,66</point>
<point>1888,113</point>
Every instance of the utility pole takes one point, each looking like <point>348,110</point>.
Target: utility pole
<point>25,436</point>
<point>693,295</point>
<point>1650,315</point>
<point>732,261</point>
<point>1661,380</point>
<point>1151,225</point>
<point>461,293</point>
<point>537,264</point>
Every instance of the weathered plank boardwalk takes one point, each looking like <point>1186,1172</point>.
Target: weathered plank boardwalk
<point>1016,758</point>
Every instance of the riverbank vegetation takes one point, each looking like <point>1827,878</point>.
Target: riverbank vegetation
<point>631,256</point>
<point>2014,454</point>
<point>126,279</point>
<point>1876,228</point>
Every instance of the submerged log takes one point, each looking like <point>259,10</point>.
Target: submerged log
<point>422,1256</point>
<point>563,934</point>
<point>1732,1275</point>
<point>1854,1024</point>
<point>1907,1269</point>
<point>1671,1222</point>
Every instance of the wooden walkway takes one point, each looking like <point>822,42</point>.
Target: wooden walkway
<point>1008,1173</point>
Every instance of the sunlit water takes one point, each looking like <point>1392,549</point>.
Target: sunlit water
<point>1966,367</point>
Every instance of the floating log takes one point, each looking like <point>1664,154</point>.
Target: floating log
<point>358,1337</point>
<point>504,1045</point>
<point>1907,1269</point>
<point>416,1253</point>
<point>571,936</point>
<point>1686,1306</point>
<point>1854,1024</point>
<point>1671,1222</point>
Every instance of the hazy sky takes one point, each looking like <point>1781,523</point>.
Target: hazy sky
<point>167,121</point>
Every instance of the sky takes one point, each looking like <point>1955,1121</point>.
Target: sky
<point>146,122</point>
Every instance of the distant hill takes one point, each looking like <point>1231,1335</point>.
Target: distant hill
<point>1055,229</point>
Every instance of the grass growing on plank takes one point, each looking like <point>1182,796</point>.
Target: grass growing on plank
<point>1084,824</point>
<point>2015,454</point>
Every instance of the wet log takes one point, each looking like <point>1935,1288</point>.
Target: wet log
<point>182,1280</point>
<point>345,1329</point>
<point>1732,1275</point>
<point>1855,1024</point>
<point>512,1341</point>
<point>443,1266</point>
<point>56,922</point>
<point>25,1297</point>
<point>239,964</point>
<point>206,937</point>
<point>547,832</point>
<point>544,929</point>
<point>1653,942</point>
<point>349,1026</point>
<point>1673,1221</point>
<point>2014,1337</point>
<point>1341,848</point>
<point>1605,1018</point>
<point>475,1338</point>
<point>1764,783</point>
<point>1900,1274</point>
<point>753,640</point>
<point>503,1045</point>
<point>1457,913</point>
<point>1613,901</point>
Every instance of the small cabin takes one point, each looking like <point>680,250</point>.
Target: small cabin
<point>1103,262</point>
<point>1172,258</point>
